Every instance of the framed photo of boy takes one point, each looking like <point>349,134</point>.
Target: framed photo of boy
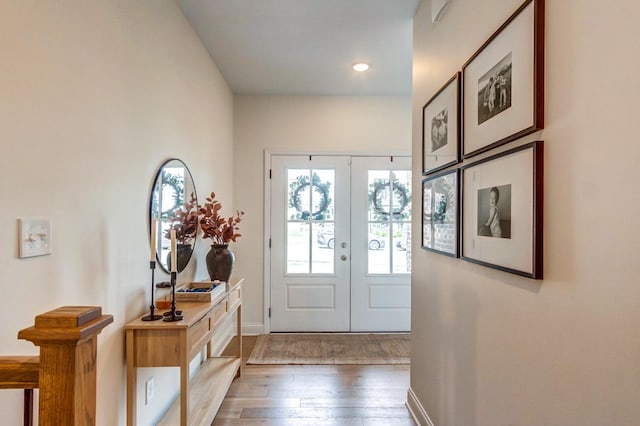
<point>441,128</point>
<point>502,206</point>
<point>440,213</point>
<point>503,83</point>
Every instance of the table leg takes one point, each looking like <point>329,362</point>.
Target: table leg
<point>239,326</point>
<point>132,380</point>
<point>184,382</point>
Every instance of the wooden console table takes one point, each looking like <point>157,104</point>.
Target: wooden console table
<point>175,344</point>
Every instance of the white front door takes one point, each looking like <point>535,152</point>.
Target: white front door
<point>381,252</point>
<point>310,244</point>
<point>340,243</point>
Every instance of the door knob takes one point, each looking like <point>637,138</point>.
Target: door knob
<point>343,257</point>
<point>343,245</point>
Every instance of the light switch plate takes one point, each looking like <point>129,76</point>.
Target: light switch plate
<point>35,237</point>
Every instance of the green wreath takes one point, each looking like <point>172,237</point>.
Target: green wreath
<point>397,213</point>
<point>295,201</point>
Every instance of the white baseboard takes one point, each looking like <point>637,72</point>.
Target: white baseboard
<point>252,329</point>
<point>417,411</point>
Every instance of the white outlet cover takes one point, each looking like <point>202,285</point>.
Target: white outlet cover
<point>35,237</point>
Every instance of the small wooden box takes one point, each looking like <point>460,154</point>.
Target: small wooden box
<point>184,295</point>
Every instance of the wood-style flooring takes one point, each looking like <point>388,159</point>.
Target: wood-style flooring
<point>344,395</point>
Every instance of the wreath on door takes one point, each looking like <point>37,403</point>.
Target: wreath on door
<point>400,193</point>
<point>302,183</point>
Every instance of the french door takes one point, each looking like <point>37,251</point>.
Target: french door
<point>340,243</point>
<point>381,210</point>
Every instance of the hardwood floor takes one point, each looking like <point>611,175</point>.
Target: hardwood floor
<point>345,395</point>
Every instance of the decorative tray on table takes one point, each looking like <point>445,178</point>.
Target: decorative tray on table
<point>200,291</point>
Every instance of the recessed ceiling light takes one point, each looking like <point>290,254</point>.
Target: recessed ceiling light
<point>361,67</point>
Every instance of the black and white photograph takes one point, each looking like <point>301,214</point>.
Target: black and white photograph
<point>494,90</point>
<point>503,83</point>
<point>502,210</point>
<point>494,212</point>
<point>439,130</point>
<point>440,211</point>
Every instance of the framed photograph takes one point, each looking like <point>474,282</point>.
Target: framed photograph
<point>503,83</point>
<point>502,205</point>
<point>441,128</point>
<point>440,213</point>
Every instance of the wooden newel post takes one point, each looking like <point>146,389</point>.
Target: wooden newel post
<point>67,338</point>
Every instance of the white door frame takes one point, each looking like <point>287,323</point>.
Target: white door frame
<point>266,273</point>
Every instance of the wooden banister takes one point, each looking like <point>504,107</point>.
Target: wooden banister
<point>21,372</point>
<point>67,338</point>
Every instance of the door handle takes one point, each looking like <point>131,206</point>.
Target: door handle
<point>343,257</point>
<point>343,245</point>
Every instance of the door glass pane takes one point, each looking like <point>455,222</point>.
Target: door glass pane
<point>401,182</point>
<point>377,247</point>
<point>310,218</point>
<point>378,195</point>
<point>322,195</point>
<point>402,247</point>
<point>389,221</point>
<point>298,248</point>
<point>299,196</point>
<point>378,227</point>
<point>323,248</point>
<point>402,195</point>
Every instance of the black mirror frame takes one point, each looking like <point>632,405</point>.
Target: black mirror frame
<point>152,214</point>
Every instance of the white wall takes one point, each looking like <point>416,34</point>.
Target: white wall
<point>300,124</point>
<point>95,95</point>
<point>490,348</point>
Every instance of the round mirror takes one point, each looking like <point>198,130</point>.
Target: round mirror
<point>173,203</point>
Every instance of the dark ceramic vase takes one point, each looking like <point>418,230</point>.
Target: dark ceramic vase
<point>220,262</point>
<point>183,255</point>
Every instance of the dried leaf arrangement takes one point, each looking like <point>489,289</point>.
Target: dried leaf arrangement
<point>221,230</point>
<point>184,220</point>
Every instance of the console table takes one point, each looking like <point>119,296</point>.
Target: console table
<point>174,344</point>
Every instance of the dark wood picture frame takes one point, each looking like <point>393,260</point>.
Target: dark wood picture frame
<point>441,149</point>
<point>503,60</point>
<point>525,183</point>
<point>440,215</point>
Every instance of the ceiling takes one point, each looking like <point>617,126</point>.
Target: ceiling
<point>307,47</point>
